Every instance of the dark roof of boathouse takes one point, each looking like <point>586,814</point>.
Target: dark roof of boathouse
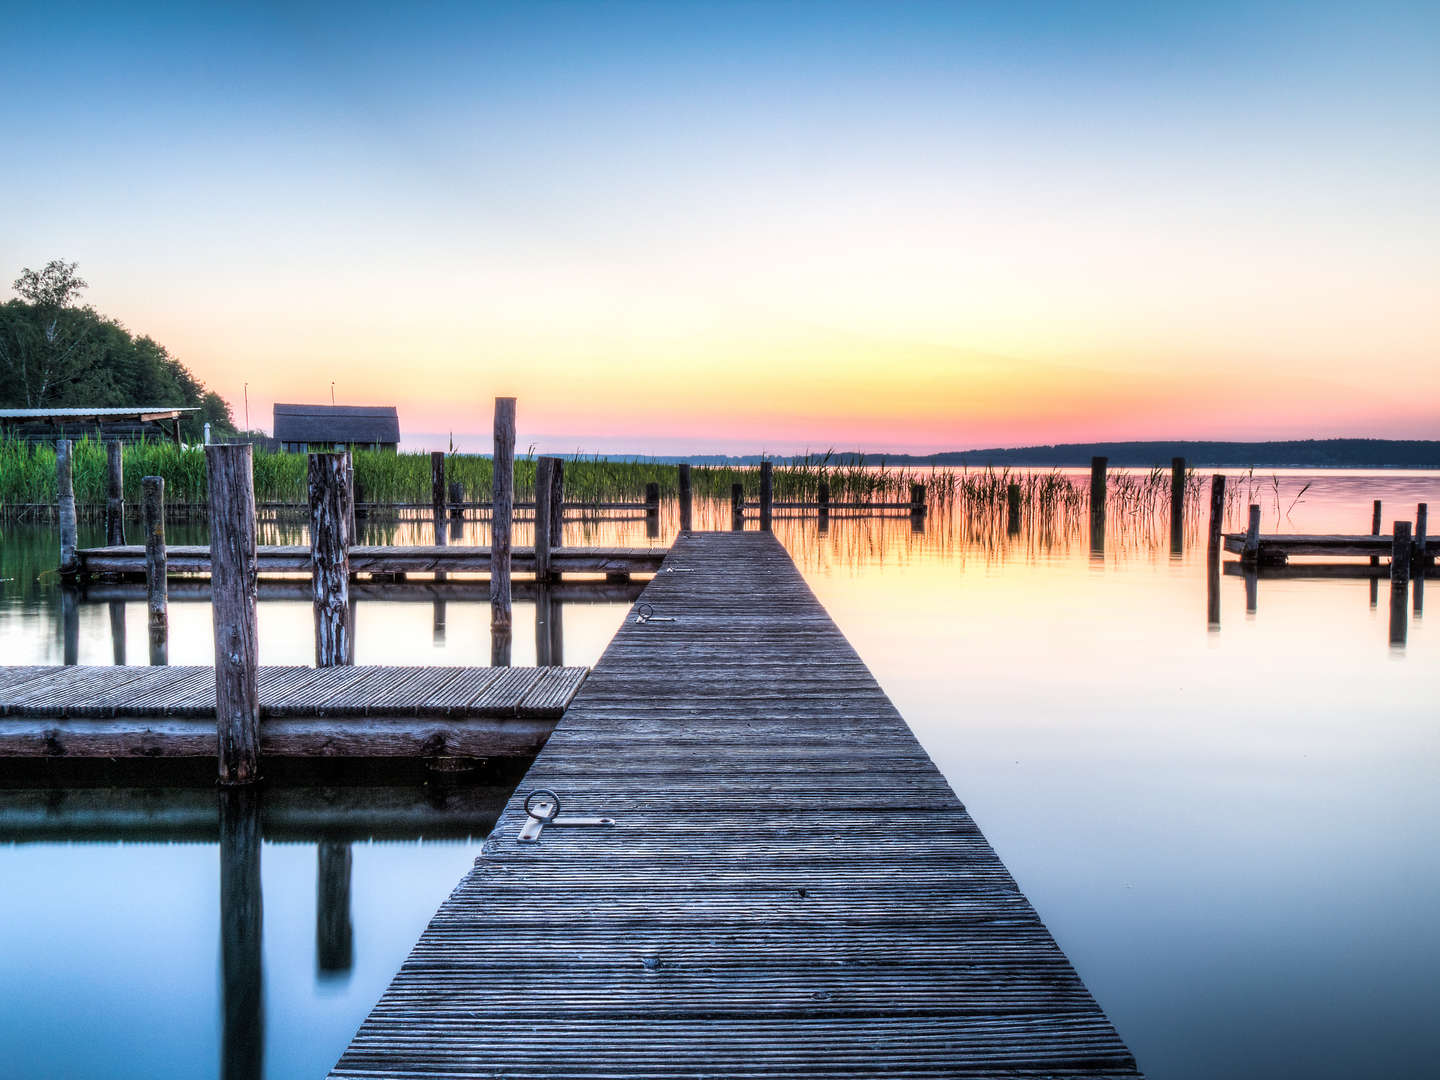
<point>337,424</point>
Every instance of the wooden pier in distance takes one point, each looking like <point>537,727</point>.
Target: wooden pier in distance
<point>790,888</point>
<point>344,711</point>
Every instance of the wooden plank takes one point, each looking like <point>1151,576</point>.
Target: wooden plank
<point>791,888</point>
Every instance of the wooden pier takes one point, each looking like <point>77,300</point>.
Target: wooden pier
<point>345,711</point>
<point>790,888</point>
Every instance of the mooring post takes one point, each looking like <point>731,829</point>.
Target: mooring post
<point>822,498</point>
<point>1251,553</point>
<point>157,587</point>
<point>557,503</point>
<point>1217,517</point>
<point>229,471</point>
<point>737,507</point>
<point>437,493</point>
<point>1375,529</point>
<point>1098,488</point>
<point>115,493</point>
<point>65,485</point>
<point>1177,504</point>
<point>502,503</point>
<point>334,931</point>
<point>917,500</point>
<point>544,492</point>
<point>652,510</point>
<point>1399,581</point>
<point>767,494</point>
<point>330,558</point>
<point>683,471</point>
<point>242,1006</point>
<point>1012,508</point>
<point>457,502</point>
<point>1421,560</point>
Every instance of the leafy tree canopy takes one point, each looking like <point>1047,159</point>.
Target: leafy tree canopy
<point>55,353</point>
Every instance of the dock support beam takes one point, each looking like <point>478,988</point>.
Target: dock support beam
<point>767,494</point>
<point>502,509</point>
<point>65,486</point>
<point>157,585</point>
<point>1399,582</point>
<point>544,493</point>
<point>115,493</point>
<point>686,509</point>
<point>1099,485</point>
<point>1177,505</point>
<point>233,606</point>
<point>330,559</point>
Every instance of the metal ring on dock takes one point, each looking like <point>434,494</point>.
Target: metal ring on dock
<point>643,612</point>
<point>554,802</point>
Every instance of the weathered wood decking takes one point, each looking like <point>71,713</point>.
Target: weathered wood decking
<point>345,711</point>
<point>791,888</point>
<point>365,559</point>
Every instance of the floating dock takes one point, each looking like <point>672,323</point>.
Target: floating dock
<point>347,711</point>
<point>790,888</point>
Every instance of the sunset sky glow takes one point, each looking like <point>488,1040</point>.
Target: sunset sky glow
<point>677,228</point>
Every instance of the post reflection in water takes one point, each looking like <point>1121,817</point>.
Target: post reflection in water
<point>242,1036</point>
<point>1252,590</point>
<point>70,625</point>
<point>437,621</point>
<point>334,933</point>
<point>1212,594</point>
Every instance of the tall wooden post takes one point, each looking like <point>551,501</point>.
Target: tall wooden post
<point>1177,505</point>
<point>502,508</point>
<point>157,587</point>
<point>233,609</point>
<point>457,504</point>
<point>544,492</point>
<point>1399,582</point>
<point>334,931</point>
<point>1421,562</point>
<point>330,558</point>
<point>242,1038</point>
<point>437,494</point>
<point>1375,530</point>
<point>767,494</point>
<point>1099,486</point>
<point>115,493</point>
<point>557,503</point>
<point>65,485</point>
<point>1012,509</point>
<point>917,500</point>
<point>1251,552</point>
<point>686,522</point>
<point>652,510</point>
<point>737,507</point>
<point>1215,539</point>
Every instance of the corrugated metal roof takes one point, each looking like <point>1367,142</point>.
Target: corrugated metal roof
<point>105,410</point>
<point>337,423</point>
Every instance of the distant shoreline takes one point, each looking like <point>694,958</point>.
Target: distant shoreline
<point>1289,454</point>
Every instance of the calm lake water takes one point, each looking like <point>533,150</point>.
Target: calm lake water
<point>1230,830</point>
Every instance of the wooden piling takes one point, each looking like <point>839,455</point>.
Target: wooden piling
<point>330,558</point>
<point>1177,504</point>
<point>1012,509</point>
<point>1098,487</point>
<point>544,492</point>
<point>1375,529</point>
<point>767,494</point>
<point>352,487</point>
<point>737,507</point>
<point>157,586</point>
<point>1421,560</point>
<point>1399,582</point>
<point>557,503</point>
<point>652,510</point>
<point>822,499</point>
<point>334,931</point>
<point>233,607</point>
<point>115,493</point>
<point>917,500</point>
<point>683,471</point>
<point>1251,553</point>
<point>437,493</point>
<point>502,503</point>
<point>1217,517</point>
<point>65,485</point>
<point>457,501</point>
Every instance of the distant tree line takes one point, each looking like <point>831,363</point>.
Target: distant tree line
<point>55,353</point>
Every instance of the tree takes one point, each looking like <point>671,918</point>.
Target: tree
<point>54,353</point>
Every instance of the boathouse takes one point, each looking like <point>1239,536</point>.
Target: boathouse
<point>326,427</point>
<point>127,423</point>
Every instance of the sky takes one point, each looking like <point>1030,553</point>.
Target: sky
<point>677,227</point>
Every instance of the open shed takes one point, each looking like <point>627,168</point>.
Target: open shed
<point>128,423</point>
<point>326,427</point>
